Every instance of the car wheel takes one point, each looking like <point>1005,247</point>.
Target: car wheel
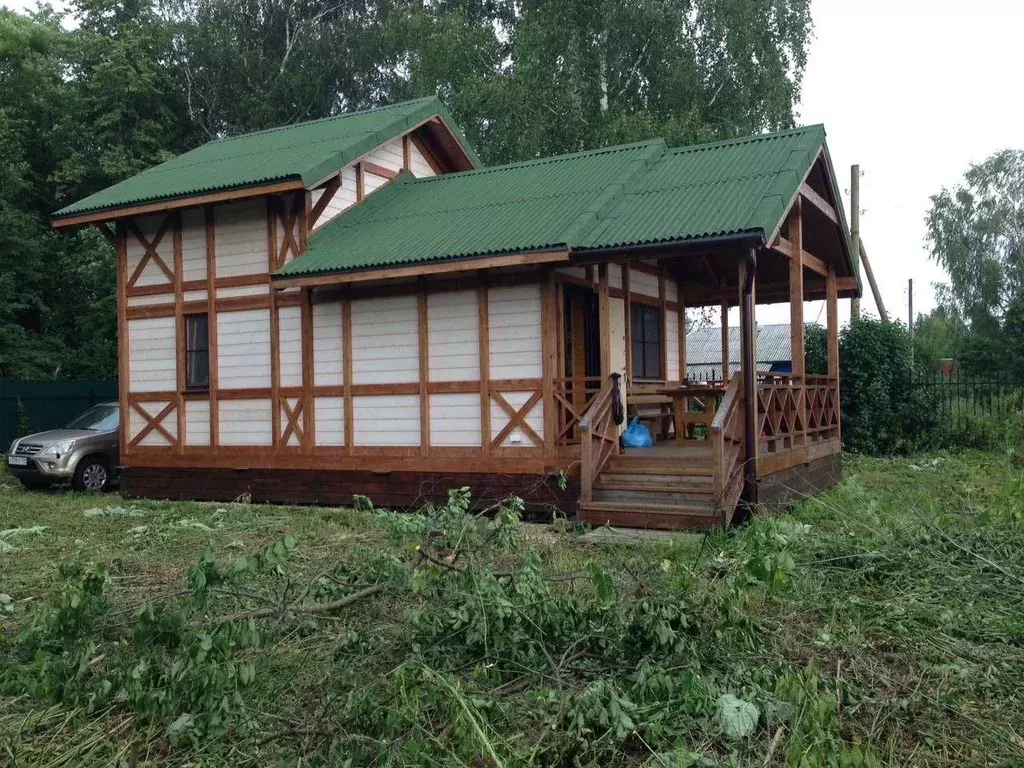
<point>91,474</point>
<point>34,485</point>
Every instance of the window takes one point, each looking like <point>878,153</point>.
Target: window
<point>646,332</point>
<point>197,352</point>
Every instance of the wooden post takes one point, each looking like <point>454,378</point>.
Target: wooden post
<point>308,421</point>
<point>605,320</point>
<point>796,314</point>
<point>682,337</point>
<point>549,352</point>
<point>211,324</point>
<point>855,235</point>
<point>832,336</point>
<point>485,368</point>
<point>346,351</point>
<point>627,310</point>
<point>179,327</point>
<point>725,339</point>
<point>424,354</point>
<point>121,253</point>
<point>748,339</point>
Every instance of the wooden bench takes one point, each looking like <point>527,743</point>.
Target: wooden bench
<point>653,410</point>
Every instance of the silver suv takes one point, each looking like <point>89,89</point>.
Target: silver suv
<point>84,452</point>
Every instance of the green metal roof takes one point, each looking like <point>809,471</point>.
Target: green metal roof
<point>306,151</point>
<point>618,196</point>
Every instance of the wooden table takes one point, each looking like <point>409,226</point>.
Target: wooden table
<point>708,395</point>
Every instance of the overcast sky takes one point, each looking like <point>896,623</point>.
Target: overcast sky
<point>914,91</point>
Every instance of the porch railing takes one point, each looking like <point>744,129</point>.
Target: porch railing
<point>822,407</point>
<point>599,437</point>
<point>793,411</point>
<point>726,435</point>
<point>572,397</point>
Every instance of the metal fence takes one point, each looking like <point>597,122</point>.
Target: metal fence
<point>34,406</point>
<point>956,397</point>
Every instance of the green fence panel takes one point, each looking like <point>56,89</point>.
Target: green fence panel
<point>35,406</point>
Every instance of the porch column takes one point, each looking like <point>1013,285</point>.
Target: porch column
<point>682,337</point>
<point>604,309</point>
<point>752,419</point>
<point>796,317</point>
<point>832,335</point>
<point>725,337</point>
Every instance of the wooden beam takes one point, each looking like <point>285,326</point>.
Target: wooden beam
<point>796,317</point>
<point>725,341</point>
<point>424,358</point>
<point>346,352</point>
<point>165,206</point>
<point>663,298</point>
<point>819,202</point>
<point>483,316</point>
<point>330,190</point>
<point>832,323</point>
<point>211,322</point>
<point>406,153</point>
<point>682,337</point>
<point>787,248</point>
<point>360,183</point>
<point>439,268</point>
<point>179,325</point>
<point>604,322</point>
<point>549,351</point>
<point>628,318</point>
<point>109,236</point>
<point>306,326</point>
<point>379,170</point>
<point>124,375</point>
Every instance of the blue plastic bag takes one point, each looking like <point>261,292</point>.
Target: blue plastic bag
<point>637,435</point>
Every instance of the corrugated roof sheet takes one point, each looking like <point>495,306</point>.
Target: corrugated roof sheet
<point>628,195</point>
<point>704,345</point>
<point>536,205</point>
<point>308,151</point>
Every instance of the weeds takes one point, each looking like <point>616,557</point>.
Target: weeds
<point>877,625</point>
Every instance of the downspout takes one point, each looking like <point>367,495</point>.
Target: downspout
<point>749,381</point>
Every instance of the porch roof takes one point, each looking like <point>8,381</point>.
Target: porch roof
<point>304,152</point>
<point>621,196</point>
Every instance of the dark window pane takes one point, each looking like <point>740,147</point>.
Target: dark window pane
<point>197,355</point>
<point>646,341</point>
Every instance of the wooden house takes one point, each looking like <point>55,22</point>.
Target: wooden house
<point>354,306</point>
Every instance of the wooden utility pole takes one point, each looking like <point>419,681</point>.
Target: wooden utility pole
<point>855,235</point>
<point>870,274</point>
<point>910,307</point>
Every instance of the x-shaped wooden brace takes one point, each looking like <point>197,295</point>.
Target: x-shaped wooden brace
<point>517,419</point>
<point>150,246</point>
<point>573,419</point>
<point>288,220</point>
<point>154,423</point>
<point>292,427</point>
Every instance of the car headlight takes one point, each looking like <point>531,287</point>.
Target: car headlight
<point>59,449</point>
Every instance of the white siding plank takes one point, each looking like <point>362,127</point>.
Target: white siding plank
<point>672,345</point>
<point>644,283</point>
<point>193,244</point>
<point>243,349</point>
<point>389,420</point>
<point>453,336</point>
<point>330,420</point>
<point>289,328</point>
<point>514,317</point>
<point>455,420</point>
<point>328,355</point>
<point>385,340</point>
<point>241,238</point>
<point>245,422</point>
<point>152,355</point>
<point>197,422</point>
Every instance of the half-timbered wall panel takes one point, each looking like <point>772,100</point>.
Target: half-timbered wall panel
<point>290,346</point>
<point>330,420</point>
<point>243,350</point>
<point>241,238</point>
<point>154,437</point>
<point>372,182</point>
<point>385,340</point>
<point>328,352</point>
<point>455,420</point>
<point>418,163</point>
<point>152,356</point>
<point>517,438</point>
<point>615,275</point>
<point>193,244</point>
<point>245,422</point>
<point>344,197</point>
<point>152,273</point>
<point>151,301</point>
<point>389,155</point>
<point>197,422</point>
<point>514,316</point>
<point>453,336</point>
<point>387,420</point>
<point>672,346</point>
<point>644,283</point>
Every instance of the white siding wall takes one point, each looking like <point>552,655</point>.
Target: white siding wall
<point>672,345</point>
<point>388,155</point>
<point>193,244</point>
<point>136,423</point>
<point>197,422</point>
<point>243,349</point>
<point>372,182</point>
<point>615,275</point>
<point>152,355</point>
<point>419,166</point>
<point>455,420</point>
<point>392,420</point>
<point>151,274</point>
<point>328,355</point>
<point>671,291</point>
<point>151,301</point>
<point>330,420</point>
<point>245,422</point>
<point>241,238</point>
<point>453,336</point>
<point>289,328</point>
<point>343,198</point>
<point>514,317</point>
<point>385,341</point>
<point>643,282</point>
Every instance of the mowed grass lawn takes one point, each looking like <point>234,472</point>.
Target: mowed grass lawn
<point>879,624</point>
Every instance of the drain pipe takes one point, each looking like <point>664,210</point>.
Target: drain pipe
<point>749,380</point>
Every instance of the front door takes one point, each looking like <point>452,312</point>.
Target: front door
<point>582,345</point>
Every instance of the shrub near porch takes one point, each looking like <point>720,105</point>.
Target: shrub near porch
<point>877,624</point>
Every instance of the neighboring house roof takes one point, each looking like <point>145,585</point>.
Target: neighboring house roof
<point>704,346</point>
<point>307,151</point>
<point>617,196</point>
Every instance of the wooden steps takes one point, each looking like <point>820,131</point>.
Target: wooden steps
<point>668,486</point>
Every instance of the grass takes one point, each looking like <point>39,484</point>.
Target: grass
<point>878,624</point>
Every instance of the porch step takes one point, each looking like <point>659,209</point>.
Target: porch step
<point>668,516</point>
<point>660,467</point>
<point>663,495</point>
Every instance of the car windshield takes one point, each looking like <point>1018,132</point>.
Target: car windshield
<point>100,418</point>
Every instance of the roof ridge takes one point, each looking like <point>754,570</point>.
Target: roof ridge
<point>543,160</point>
<point>748,139</point>
<point>327,119</point>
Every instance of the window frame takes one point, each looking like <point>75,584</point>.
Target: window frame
<point>190,352</point>
<point>651,318</point>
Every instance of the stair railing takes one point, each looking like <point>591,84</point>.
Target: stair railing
<point>599,436</point>
<point>727,446</point>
